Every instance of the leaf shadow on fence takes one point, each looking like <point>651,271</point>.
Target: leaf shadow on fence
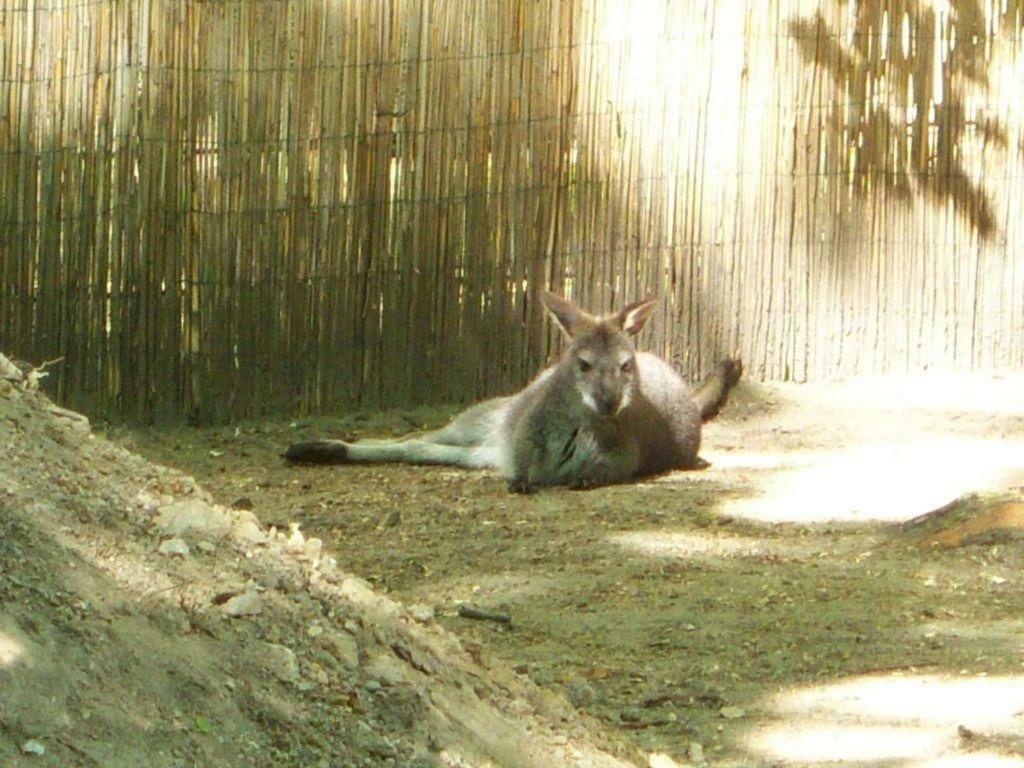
<point>904,72</point>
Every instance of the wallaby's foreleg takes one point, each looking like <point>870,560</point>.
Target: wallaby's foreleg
<point>571,457</point>
<point>711,394</point>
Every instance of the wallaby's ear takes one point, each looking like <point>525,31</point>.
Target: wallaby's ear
<point>569,317</point>
<point>633,317</point>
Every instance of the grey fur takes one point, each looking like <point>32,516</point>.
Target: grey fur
<point>602,414</point>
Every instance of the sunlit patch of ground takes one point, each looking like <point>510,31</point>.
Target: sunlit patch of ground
<point>869,481</point>
<point>918,721</point>
<point>878,450</point>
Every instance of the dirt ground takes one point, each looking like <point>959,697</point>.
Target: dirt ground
<point>842,586</point>
<point>143,624</point>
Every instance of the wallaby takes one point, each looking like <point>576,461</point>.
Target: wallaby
<point>602,414</point>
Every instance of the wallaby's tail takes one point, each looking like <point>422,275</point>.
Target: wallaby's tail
<point>712,393</point>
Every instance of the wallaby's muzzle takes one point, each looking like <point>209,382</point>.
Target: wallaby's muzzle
<point>608,404</point>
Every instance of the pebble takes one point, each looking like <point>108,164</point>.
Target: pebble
<point>732,713</point>
<point>174,548</point>
<point>147,502</point>
<point>311,551</point>
<point>281,662</point>
<point>424,614</point>
<point>191,518</point>
<point>248,532</point>
<point>341,647</point>
<point>244,604</point>
<point>296,542</point>
<point>372,686</point>
<point>33,747</point>
<point>318,674</point>
<point>696,752</point>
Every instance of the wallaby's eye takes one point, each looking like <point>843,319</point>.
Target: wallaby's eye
<point>584,365</point>
<point>626,366</point>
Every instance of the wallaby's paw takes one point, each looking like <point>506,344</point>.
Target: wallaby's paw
<point>519,485</point>
<point>317,452</point>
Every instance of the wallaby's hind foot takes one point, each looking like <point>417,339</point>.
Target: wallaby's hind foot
<point>317,452</point>
<point>713,392</point>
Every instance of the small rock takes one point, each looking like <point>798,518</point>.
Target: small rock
<point>359,592</point>
<point>315,630</point>
<point>318,674</point>
<point>174,548</point>
<point>311,551</point>
<point>696,752</point>
<point>388,669</point>
<point>424,614</point>
<point>341,647</point>
<point>244,516</point>
<point>248,532</point>
<point>372,686</point>
<point>205,547</point>
<point>192,519</point>
<point>281,662</point>
<point>147,502</point>
<point>244,604</point>
<point>732,713</point>
<point>296,543</point>
<point>33,747</point>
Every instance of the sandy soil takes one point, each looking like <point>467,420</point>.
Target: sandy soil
<point>841,587</point>
<point>143,624</point>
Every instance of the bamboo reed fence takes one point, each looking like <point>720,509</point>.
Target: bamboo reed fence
<point>226,208</point>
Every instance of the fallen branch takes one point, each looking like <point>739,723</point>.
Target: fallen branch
<point>469,612</point>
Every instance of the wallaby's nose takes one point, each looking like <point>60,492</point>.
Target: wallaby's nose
<point>607,405</point>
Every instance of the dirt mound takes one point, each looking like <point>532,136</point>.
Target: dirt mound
<point>143,624</point>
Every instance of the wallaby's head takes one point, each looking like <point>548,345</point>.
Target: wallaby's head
<point>601,358</point>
